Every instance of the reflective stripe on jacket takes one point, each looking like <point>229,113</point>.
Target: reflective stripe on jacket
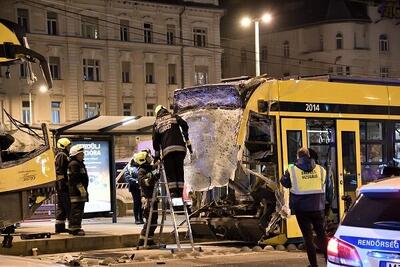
<point>303,182</point>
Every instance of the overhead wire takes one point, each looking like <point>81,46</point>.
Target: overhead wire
<point>211,47</point>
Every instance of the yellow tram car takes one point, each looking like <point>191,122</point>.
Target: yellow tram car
<point>353,124</point>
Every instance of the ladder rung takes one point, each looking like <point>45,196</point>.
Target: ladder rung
<point>170,211</point>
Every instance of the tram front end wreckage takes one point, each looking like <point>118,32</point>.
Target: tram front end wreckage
<point>246,133</point>
<point>27,171</point>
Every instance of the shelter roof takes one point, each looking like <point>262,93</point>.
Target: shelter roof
<point>109,125</point>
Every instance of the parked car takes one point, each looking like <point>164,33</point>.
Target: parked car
<point>369,235</point>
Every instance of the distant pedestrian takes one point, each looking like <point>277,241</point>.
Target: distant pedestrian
<point>131,177</point>
<point>78,182</point>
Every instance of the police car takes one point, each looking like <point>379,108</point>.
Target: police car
<point>369,235</point>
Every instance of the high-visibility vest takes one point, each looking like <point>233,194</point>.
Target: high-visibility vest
<point>304,183</point>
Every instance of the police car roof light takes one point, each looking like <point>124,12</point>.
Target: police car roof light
<point>342,253</point>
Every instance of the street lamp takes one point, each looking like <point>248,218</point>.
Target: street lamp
<point>42,89</point>
<point>246,21</point>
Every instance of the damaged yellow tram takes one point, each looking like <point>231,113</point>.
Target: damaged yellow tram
<point>246,133</point>
<point>27,172</point>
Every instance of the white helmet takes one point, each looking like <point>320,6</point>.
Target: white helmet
<point>75,150</point>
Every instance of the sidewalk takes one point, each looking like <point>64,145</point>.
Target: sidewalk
<point>101,233</point>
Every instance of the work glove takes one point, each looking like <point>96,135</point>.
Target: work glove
<point>157,156</point>
<point>82,190</point>
<point>189,146</point>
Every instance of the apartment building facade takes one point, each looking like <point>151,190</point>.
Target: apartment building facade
<point>111,57</point>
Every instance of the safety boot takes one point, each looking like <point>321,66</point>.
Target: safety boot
<point>60,228</point>
<point>78,232</point>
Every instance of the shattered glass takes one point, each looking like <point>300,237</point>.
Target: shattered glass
<point>213,113</point>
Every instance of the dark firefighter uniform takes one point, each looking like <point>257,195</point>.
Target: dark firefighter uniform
<point>170,136</point>
<point>148,175</point>
<point>308,184</point>
<point>78,181</point>
<point>63,202</point>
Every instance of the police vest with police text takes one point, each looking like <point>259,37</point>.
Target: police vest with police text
<point>303,182</point>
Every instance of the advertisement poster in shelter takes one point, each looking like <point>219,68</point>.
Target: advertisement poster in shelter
<point>97,163</point>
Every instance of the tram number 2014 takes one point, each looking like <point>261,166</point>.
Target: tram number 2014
<point>312,107</point>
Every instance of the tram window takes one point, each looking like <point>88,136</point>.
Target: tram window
<point>294,143</point>
<point>349,161</point>
<point>371,130</point>
<point>372,150</point>
<point>397,140</point>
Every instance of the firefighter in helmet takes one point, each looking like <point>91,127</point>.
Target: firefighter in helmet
<point>148,174</point>
<point>63,202</point>
<point>171,139</point>
<point>78,181</point>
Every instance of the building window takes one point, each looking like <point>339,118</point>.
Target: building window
<point>339,40</point>
<point>264,53</point>
<point>170,34</point>
<point>171,73</point>
<point>126,70</point>
<point>201,75</point>
<point>148,33</point>
<point>23,18</point>
<point>51,23</point>
<point>92,109</point>
<point>339,70</point>
<point>23,70</point>
<point>90,27</point>
<point>384,72</point>
<point>26,112</point>
<point>127,109</point>
<point>91,70</point>
<point>55,112</point>
<point>243,55</point>
<point>286,51</point>
<point>150,110</point>
<point>330,69</point>
<point>124,30</point>
<point>348,70</point>
<point>321,42</point>
<point>149,73</point>
<point>54,64</point>
<point>200,37</point>
<point>383,43</point>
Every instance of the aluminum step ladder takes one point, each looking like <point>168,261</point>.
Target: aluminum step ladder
<point>161,191</point>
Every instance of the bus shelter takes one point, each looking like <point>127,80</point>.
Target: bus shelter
<point>97,134</point>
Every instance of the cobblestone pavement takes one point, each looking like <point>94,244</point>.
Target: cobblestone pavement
<point>209,256</point>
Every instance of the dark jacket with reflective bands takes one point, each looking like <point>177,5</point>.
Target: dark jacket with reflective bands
<point>167,133</point>
<point>307,202</point>
<point>62,162</point>
<point>147,179</point>
<point>78,181</point>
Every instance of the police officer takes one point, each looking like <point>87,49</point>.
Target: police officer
<point>171,137</point>
<point>131,177</point>
<point>307,184</point>
<point>148,175</point>
<point>63,202</point>
<point>78,181</point>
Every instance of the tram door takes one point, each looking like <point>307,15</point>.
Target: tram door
<point>294,136</point>
<point>349,162</point>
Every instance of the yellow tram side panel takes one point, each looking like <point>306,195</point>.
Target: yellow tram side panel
<point>37,171</point>
<point>314,92</point>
